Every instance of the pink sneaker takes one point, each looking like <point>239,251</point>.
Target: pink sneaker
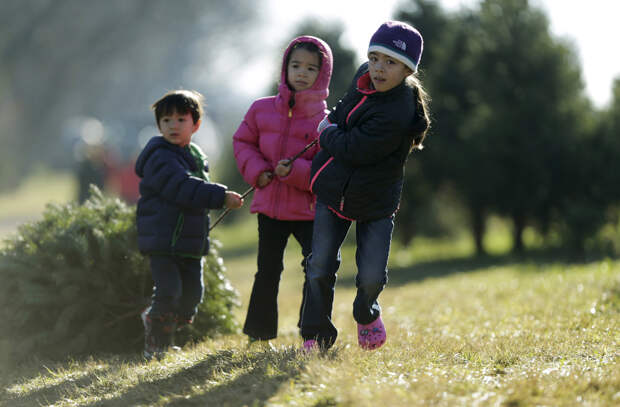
<point>371,336</point>
<point>310,345</point>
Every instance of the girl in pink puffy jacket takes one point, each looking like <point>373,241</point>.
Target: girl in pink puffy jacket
<point>274,129</point>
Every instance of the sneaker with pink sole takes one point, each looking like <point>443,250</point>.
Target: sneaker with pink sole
<point>371,336</point>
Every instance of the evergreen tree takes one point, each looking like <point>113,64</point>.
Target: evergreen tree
<point>509,111</point>
<point>593,170</point>
<point>531,109</point>
<point>74,282</point>
<point>452,156</point>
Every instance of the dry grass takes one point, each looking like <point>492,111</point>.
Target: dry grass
<point>461,332</point>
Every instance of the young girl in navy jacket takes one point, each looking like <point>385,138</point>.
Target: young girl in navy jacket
<point>358,176</point>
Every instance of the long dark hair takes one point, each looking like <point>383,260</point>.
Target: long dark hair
<point>423,120</point>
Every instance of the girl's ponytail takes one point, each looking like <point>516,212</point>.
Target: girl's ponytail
<point>422,120</point>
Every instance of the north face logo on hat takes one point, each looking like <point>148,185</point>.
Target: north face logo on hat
<point>400,44</point>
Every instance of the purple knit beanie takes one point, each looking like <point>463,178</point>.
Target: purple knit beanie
<point>400,41</point>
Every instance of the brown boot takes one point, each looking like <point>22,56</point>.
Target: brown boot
<point>158,334</point>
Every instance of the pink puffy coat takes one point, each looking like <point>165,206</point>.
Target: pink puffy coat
<point>272,131</point>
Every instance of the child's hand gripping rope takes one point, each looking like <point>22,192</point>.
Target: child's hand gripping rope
<point>246,193</point>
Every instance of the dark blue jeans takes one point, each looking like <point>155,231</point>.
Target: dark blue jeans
<point>178,286</point>
<point>261,321</point>
<point>373,248</point>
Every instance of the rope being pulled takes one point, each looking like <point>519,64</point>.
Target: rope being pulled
<point>246,193</point>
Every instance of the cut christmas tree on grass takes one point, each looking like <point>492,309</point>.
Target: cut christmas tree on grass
<point>75,283</point>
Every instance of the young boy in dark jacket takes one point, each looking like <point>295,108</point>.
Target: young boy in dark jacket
<point>172,216</point>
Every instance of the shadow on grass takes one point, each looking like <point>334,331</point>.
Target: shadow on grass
<point>445,267</point>
<point>253,379</point>
<point>49,395</point>
<point>223,378</point>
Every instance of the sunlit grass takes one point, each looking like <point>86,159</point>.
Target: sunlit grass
<point>500,331</point>
<point>515,335</point>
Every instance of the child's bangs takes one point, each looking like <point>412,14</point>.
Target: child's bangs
<point>173,105</point>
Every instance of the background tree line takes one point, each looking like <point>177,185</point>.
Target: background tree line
<point>513,132</point>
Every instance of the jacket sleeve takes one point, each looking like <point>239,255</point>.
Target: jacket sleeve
<point>365,144</point>
<point>299,177</point>
<point>250,160</point>
<point>163,172</point>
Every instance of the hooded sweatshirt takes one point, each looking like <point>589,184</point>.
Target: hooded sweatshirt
<point>274,129</point>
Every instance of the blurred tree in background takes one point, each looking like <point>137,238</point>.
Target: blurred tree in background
<point>531,110</point>
<point>513,134</point>
<point>67,59</point>
<point>512,129</point>
<point>592,177</point>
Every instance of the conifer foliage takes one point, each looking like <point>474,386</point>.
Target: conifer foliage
<point>75,282</point>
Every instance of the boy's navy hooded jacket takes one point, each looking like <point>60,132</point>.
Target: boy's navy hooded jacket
<point>172,212</point>
<point>359,170</point>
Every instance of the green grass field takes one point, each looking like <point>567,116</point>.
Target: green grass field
<point>28,201</point>
<point>496,331</point>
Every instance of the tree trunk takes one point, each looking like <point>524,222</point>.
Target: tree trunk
<point>478,226</point>
<point>518,220</point>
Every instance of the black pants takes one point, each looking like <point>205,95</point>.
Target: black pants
<point>178,286</point>
<point>262,319</point>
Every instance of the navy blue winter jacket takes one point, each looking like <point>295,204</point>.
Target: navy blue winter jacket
<point>172,213</point>
<point>359,171</point>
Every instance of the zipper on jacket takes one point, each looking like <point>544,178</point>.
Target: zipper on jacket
<point>342,204</point>
<point>177,230</point>
<point>355,108</point>
<point>318,172</point>
<point>276,204</point>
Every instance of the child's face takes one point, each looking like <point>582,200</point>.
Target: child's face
<point>178,128</point>
<point>386,72</point>
<point>302,69</point>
